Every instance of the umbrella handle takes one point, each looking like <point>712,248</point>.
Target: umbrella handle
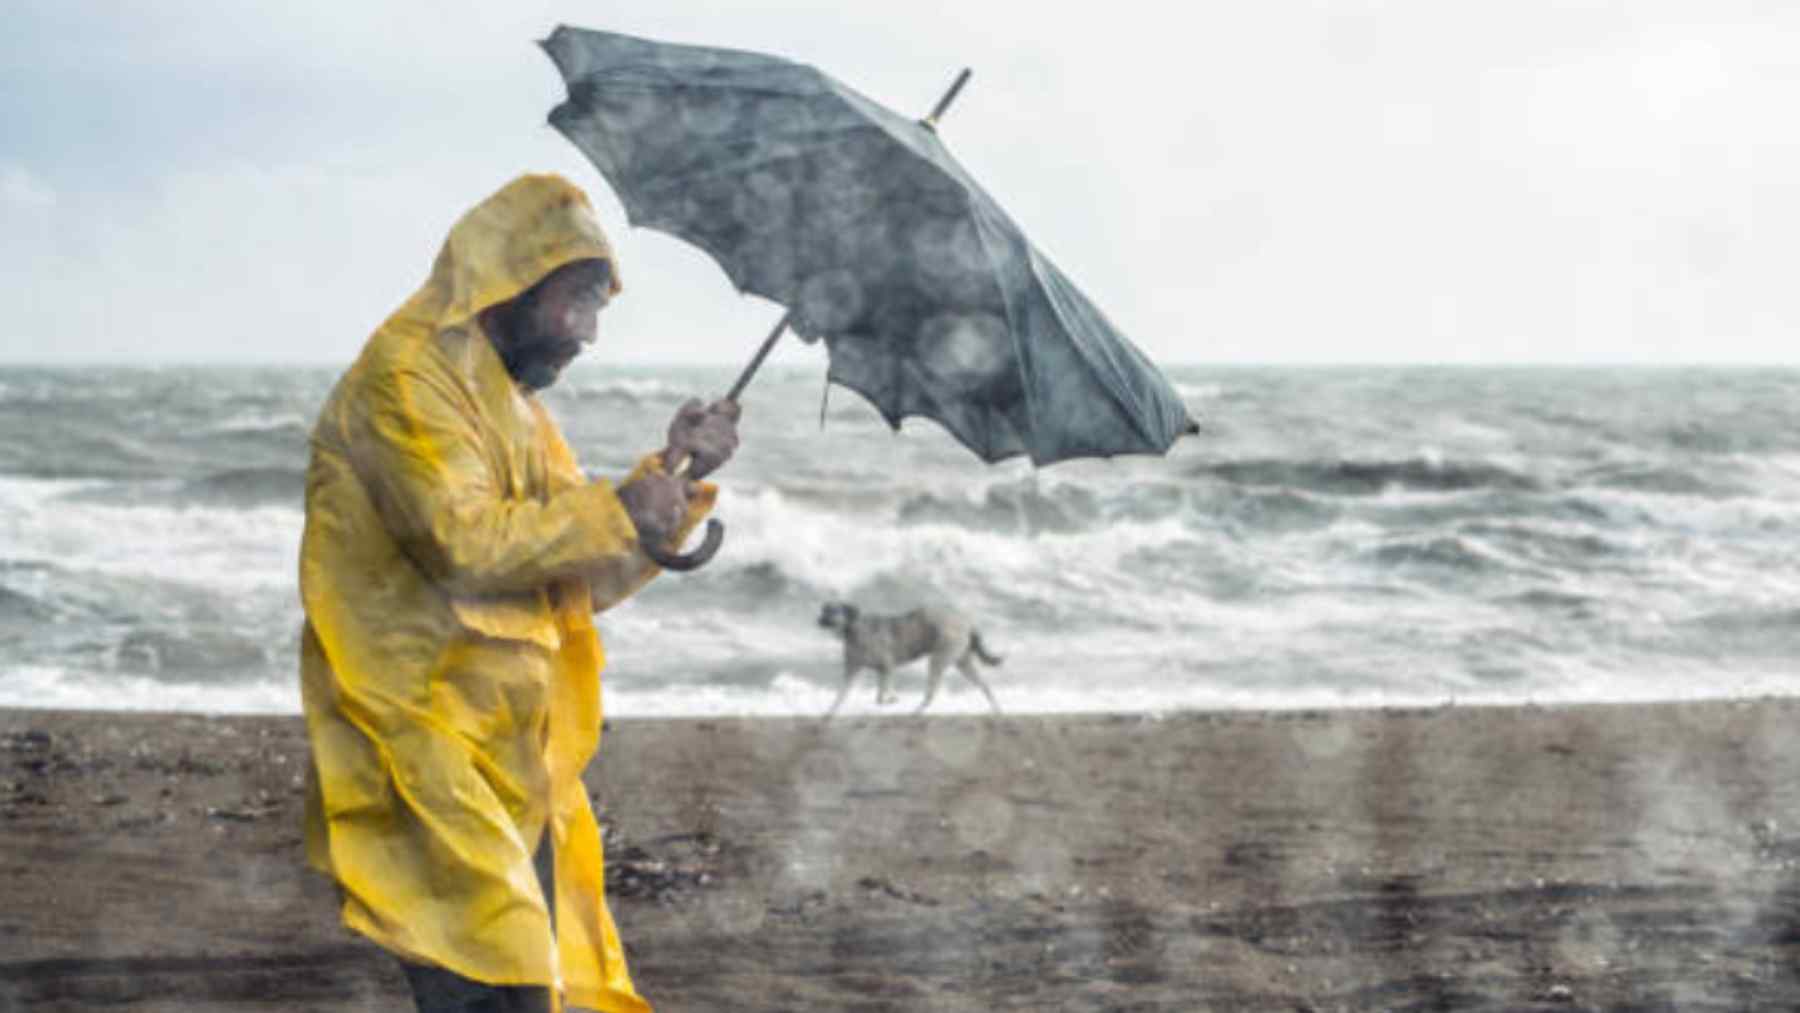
<point>715,536</point>
<point>709,545</point>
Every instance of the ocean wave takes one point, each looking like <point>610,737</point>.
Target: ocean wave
<point>1412,513</point>
<point>1781,618</point>
<point>761,583</point>
<point>1310,548</point>
<point>245,487</point>
<point>1017,508</point>
<point>256,423</point>
<point>20,610</point>
<point>25,566</point>
<point>1551,600</point>
<point>230,550</point>
<point>1030,509</point>
<point>242,488</point>
<point>69,449</point>
<point>805,553</point>
<point>194,656</point>
<point>1770,632</point>
<point>40,591</point>
<point>1708,438</point>
<point>1244,507</point>
<point>1203,400</point>
<point>632,389</point>
<point>1191,565</point>
<point>1659,479</point>
<point>1460,556</point>
<point>1368,478</point>
<point>1266,511</point>
<point>74,687</point>
<point>1556,546</point>
<point>758,589</point>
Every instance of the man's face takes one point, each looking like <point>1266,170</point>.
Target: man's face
<point>547,327</point>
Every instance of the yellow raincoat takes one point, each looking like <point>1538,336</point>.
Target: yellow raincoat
<point>450,671</point>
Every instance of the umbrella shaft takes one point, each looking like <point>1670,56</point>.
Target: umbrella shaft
<point>949,97</point>
<point>762,353</point>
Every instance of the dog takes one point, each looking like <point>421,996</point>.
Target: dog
<point>884,642</point>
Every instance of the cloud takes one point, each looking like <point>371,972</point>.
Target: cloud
<point>1402,181</point>
<point>23,192</point>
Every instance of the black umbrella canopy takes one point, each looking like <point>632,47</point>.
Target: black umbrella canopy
<point>930,300</point>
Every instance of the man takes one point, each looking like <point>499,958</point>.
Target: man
<point>452,558</point>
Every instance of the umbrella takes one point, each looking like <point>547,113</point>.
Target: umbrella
<point>930,300</point>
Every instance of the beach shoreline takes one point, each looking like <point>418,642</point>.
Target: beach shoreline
<point>1594,856</point>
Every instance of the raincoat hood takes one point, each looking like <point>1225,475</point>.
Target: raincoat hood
<point>453,556</point>
<point>508,243</point>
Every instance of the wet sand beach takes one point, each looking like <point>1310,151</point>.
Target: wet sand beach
<point>1603,857</point>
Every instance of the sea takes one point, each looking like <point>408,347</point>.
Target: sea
<point>1335,537</point>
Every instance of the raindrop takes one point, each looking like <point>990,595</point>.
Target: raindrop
<point>709,112</point>
<point>950,259</point>
<point>857,360</point>
<point>830,301</point>
<point>1325,743</point>
<point>871,246</point>
<point>814,858</point>
<point>982,821</point>
<point>765,203</point>
<point>650,119</point>
<point>821,774</point>
<point>625,109</point>
<point>967,352</point>
<point>842,196</point>
<point>952,744</point>
<point>736,915</point>
<point>1044,866</point>
<point>768,268</point>
<point>784,116</point>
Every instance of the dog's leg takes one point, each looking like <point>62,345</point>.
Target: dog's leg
<point>932,682</point>
<point>967,667</point>
<point>883,694</point>
<point>843,691</point>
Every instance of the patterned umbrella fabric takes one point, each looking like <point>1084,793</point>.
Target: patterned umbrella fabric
<point>930,300</point>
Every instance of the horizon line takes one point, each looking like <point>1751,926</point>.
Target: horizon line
<point>185,363</point>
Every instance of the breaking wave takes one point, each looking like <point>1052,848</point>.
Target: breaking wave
<point>1369,478</point>
<point>1340,536</point>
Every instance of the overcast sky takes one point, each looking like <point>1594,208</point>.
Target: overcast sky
<point>1358,181</point>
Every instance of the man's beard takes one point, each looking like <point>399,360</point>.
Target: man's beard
<point>535,358</point>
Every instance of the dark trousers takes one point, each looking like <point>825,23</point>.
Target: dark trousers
<point>436,990</point>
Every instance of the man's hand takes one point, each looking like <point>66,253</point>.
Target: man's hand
<point>656,503</point>
<point>704,435</point>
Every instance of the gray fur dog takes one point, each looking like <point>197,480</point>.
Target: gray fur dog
<point>884,642</point>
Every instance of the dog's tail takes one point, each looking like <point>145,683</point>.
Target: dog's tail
<point>981,650</point>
